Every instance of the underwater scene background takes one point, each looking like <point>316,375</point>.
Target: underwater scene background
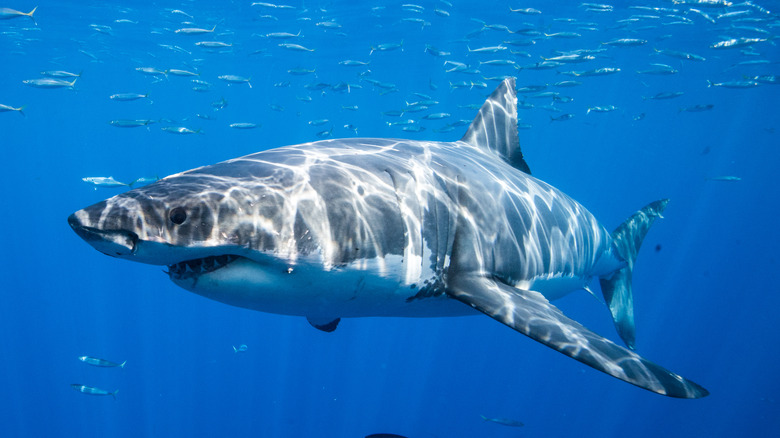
<point>619,105</point>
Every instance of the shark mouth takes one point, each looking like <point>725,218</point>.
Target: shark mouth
<point>197,267</point>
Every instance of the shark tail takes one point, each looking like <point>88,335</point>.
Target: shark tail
<point>616,288</point>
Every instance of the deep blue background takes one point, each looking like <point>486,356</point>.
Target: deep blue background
<point>706,282</point>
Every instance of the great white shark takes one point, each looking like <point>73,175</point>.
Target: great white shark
<point>385,227</point>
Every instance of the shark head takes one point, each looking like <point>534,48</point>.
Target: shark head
<point>205,226</point>
<point>251,233</point>
<point>176,220</point>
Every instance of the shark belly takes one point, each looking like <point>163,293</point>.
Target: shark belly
<point>311,291</point>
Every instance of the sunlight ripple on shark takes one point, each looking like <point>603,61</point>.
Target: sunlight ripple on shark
<point>385,227</point>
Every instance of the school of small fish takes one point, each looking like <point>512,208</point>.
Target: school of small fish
<point>102,363</point>
<point>559,61</point>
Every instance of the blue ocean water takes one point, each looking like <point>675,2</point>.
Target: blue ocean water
<point>706,279</point>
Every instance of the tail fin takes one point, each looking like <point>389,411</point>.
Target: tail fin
<point>30,14</point>
<point>617,288</point>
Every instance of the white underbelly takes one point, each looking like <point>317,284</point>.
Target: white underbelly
<point>309,290</point>
<point>554,286</point>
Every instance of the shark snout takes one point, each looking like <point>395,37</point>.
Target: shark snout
<point>116,243</point>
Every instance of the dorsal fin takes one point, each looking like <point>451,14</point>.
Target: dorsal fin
<point>495,127</point>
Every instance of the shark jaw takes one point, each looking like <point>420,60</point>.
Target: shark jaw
<point>192,269</point>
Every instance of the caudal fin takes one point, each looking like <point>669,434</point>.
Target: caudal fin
<point>617,288</point>
<point>30,14</point>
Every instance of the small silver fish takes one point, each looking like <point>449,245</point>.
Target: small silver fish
<point>353,63</point>
<point>325,134</point>
<point>195,30</point>
<point>127,97</point>
<point>571,58</point>
<point>599,71</point>
<point>183,130</point>
<point>733,84</point>
<point>435,52</point>
<point>49,83</point>
<point>178,11</point>
<point>234,79</point>
<point>697,108</point>
<point>561,118</point>
<point>244,125</point>
<point>89,390</point>
<point>504,421</point>
<point>658,69</point>
<point>5,108</point>
<point>526,11</point>
<point>295,47</point>
<point>177,72</point>
<point>126,123</point>
<point>563,35</point>
<point>680,55</point>
<point>601,109</point>
<point>144,180</point>
<point>328,25</point>
<point>436,116</point>
<point>725,178</point>
<point>386,47</point>
<point>97,362</point>
<point>241,348</point>
<point>214,44</point>
<point>60,74</point>
<point>626,42</point>
<point>103,181</point>
<point>664,95</point>
<point>492,49</point>
<point>736,42</point>
<point>301,71</point>
<point>282,35</point>
<point>8,13</point>
<point>151,71</point>
<point>219,104</point>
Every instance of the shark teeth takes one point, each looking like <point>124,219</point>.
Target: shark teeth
<point>197,267</point>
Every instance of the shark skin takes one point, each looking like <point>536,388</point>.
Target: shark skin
<point>387,227</point>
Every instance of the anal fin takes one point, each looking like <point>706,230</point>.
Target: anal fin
<point>530,313</point>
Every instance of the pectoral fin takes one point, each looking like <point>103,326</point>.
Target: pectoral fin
<point>531,314</point>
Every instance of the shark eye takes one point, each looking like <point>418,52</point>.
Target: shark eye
<point>178,215</point>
